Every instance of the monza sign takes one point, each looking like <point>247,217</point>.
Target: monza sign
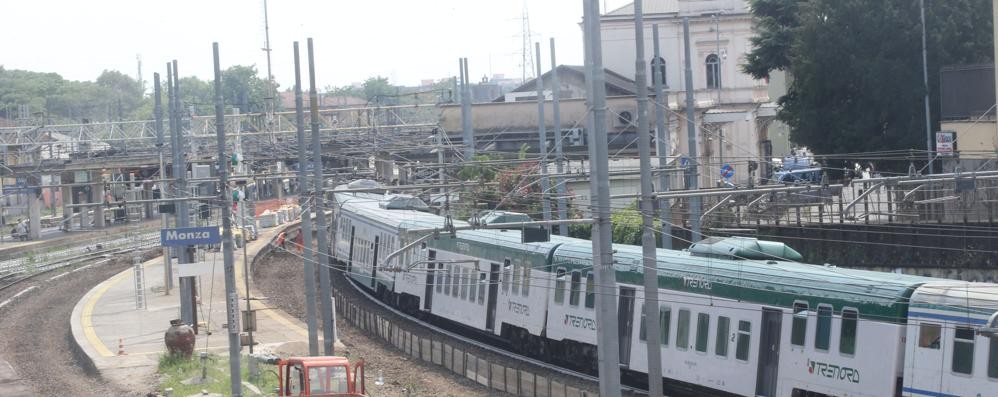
<point>182,236</point>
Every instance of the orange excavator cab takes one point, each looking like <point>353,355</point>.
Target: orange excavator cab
<point>319,377</point>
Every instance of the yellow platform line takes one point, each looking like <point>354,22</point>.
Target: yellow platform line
<point>86,317</point>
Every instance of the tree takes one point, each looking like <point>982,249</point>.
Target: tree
<point>375,87</point>
<point>242,87</point>
<point>856,66</point>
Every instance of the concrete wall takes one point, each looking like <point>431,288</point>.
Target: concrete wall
<point>974,138</point>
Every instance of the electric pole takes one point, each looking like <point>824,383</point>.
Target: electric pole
<point>662,138</point>
<point>691,172</point>
<point>558,150</point>
<point>306,216</point>
<point>543,148</point>
<point>325,294</point>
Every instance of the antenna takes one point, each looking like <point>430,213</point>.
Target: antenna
<point>270,75</point>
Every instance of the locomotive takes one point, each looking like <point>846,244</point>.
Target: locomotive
<point>738,316</point>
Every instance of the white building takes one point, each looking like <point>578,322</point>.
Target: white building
<point>731,106</point>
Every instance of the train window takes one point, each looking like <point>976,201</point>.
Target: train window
<point>456,282</point>
<point>506,269</point>
<point>664,320</point>
<point>559,286</point>
<point>481,288</point>
<point>721,343</point>
<point>929,335</point>
<point>472,285</point>
<point>590,290</point>
<point>438,278</point>
<point>643,330</point>
<point>463,282</point>
<point>993,358</point>
<point>526,279</point>
<point>823,331</point>
<point>799,329</point>
<point>744,338</point>
<point>573,297</point>
<point>516,276</point>
<point>847,337</point>
<point>963,350</point>
<point>683,333</point>
<point>447,279</point>
<point>703,326</point>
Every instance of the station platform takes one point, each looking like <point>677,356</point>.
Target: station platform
<point>105,322</point>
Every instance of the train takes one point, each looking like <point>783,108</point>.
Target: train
<point>738,316</point>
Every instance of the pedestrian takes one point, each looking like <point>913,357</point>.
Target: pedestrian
<point>280,240</point>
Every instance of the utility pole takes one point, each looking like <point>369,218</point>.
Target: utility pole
<point>188,309</point>
<point>306,216</point>
<point>929,153</point>
<point>543,148</point>
<point>318,202</point>
<point>994,13</point>
<point>270,76</point>
<point>607,341</point>
<point>232,301</point>
<point>469,132</point>
<point>648,249</point>
<point>720,131</point>
<point>158,112</point>
<point>558,150</point>
<point>662,138</point>
<point>691,172</point>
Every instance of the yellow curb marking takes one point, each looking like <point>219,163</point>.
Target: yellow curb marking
<point>86,317</point>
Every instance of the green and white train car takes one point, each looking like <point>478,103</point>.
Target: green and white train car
<point>735,318</point>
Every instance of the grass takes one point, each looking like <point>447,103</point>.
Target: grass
<point>176,369</point>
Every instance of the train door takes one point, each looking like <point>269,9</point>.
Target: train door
<point>353,233</point>
<point>625,322</point>
<point>429,279</point>
<point>374,263</point>
<point>490,313</point>
<point>769,352</point>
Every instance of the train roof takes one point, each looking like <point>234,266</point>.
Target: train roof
<point>964,298</point>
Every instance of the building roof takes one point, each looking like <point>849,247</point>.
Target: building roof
<point>648,7</point>
<point>651,7</point>
<point>616,84</point>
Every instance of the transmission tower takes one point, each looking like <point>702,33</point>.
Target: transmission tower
<point>527,56</point>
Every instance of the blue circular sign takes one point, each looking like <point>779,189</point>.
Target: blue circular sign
<point>727,171</point>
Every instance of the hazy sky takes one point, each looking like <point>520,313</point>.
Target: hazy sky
<point>404,40</point>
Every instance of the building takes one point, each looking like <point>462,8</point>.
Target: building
<point>967,109</point>
<point>735,112</point>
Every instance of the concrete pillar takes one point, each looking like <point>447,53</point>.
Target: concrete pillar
<point>67,199</point>
<point>147,194</point>
<point>34,214</point>
<point>97,197</point>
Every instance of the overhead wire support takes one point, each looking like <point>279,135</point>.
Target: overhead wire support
<point>308,256</point>
<point>232,298</point>
<point>607,341</point>
<point>648,248</point>
<point>662,138</point>
<point>558,149</point>
<point>543,144</point>
<point>325,293</point>
<point>692,176</point>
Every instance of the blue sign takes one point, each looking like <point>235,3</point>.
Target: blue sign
<point>684,161</point>
<point>727,172</point>
<point>190,236</point>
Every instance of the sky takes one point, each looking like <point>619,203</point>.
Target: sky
<point>406,41</point>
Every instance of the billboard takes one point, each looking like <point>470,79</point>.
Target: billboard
<point>945,143</point>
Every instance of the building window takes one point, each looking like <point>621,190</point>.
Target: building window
<point>721,345</point>
<point>823,332</point>
<point>703,326</point>
<point>847,338</point>
<point>658,71</point>
<point>744,337</point>
<point>713,71</point>
<point>963,351</point>
<point>799,324</point>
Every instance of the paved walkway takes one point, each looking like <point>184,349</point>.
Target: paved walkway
<point>12,385</point>
<point>108,314</point>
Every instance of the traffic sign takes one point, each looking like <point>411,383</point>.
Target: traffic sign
<point>727,171</point>
<point>182,236</point>
<point>684,161</point>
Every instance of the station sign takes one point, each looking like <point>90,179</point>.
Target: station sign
<point>192,269</point>
<point>183,236</point>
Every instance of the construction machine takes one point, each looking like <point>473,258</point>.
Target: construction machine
<point>327,376</point>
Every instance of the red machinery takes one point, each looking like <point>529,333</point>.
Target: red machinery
<point>319,377</point>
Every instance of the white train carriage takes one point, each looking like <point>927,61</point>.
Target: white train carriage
<point>952,345</point>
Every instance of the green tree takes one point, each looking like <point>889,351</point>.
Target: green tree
<point>242,87</point>
<point>856,66</point>
<point>375,87</point>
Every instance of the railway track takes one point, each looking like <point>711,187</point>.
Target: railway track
<point>580,379</point>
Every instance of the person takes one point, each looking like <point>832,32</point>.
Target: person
<point>280,240</point>
<point>299,242</point>
<point>22,230</point>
